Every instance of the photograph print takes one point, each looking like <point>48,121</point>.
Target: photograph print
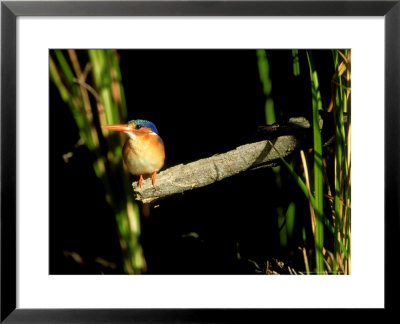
<point>200,161</point>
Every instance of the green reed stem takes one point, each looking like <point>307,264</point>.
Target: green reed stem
<point>318,173</point>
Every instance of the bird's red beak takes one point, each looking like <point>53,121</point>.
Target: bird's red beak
<point>119,128</point>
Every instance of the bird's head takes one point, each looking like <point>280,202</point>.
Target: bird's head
<point>134,128</point>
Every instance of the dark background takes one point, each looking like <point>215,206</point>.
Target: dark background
<point>203,102</point>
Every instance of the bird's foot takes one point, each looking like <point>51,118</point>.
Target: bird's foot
<point>153,178</point>
<point>140,181</point>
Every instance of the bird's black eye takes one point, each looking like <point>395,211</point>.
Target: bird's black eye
<point>138,126</point>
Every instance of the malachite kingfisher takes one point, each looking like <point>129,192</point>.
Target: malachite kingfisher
<point>143,151</point>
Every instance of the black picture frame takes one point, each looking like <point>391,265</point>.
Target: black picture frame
<point>10,10</point>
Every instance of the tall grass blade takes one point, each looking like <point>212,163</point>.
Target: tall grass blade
<point>263,69</point>
<point>318,173</point>
<point>296,62</point>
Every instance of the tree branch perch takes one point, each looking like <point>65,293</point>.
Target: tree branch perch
<point>200,173</point>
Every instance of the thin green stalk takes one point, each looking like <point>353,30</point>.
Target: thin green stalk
<point>296,62</point>
<point>66,91</point>
<point>118,79</point>
<point>263,69</point>
<point>64,66</point>
<point>318,174</point>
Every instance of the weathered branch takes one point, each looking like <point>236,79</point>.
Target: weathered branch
<point>203,172</point>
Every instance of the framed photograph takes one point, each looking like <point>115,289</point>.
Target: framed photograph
<point>197,160</point>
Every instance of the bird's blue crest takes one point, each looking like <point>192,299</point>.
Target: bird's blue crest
<point>145,123</point>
